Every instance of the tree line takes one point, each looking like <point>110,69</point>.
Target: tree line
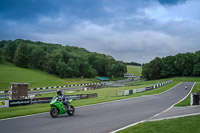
<point>133,63</point>
<point>182,64</point>
<point>64,61</point>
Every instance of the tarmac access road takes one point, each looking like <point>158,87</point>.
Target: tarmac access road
<point>99,118</point>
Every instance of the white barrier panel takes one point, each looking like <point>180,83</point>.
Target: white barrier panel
<point>140,90</point>
<point>4,104</point>
<point>191,99</point>
<point>134,91</point>
<point>126,92</point>
<point>143,89</point>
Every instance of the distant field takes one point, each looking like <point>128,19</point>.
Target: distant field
<point>134,70</point>
<point>10,73</point>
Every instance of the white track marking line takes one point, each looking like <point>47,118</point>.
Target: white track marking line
<point>172,117</point>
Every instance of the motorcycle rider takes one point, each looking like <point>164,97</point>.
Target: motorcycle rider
<point>62,97</point>
<point>185,87</point>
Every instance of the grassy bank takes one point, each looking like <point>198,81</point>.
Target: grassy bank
<point>104,95</point>
<point>134,70</point>
<point>11,73</point>
<point>188,124</point>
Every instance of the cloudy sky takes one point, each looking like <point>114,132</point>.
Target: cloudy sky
<point>128,30</point>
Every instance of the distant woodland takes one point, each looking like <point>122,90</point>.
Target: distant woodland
<point>182,64</point>
<point>63,61</point>
<point>133,63</point>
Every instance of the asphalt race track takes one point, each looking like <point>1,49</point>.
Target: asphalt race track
<point>100,118</point>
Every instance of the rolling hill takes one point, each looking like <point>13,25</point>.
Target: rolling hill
<point>11,73</point>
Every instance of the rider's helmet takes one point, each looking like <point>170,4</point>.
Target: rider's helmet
<point>59,92</point>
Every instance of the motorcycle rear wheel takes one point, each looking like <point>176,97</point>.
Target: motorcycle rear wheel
<point>54,112</point>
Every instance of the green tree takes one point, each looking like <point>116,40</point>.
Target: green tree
<point>38,57</point>
<point>72,66</point>
<point>196,67</point>
<point>10,49</point>
<point>155,67</point>
<point>184,63</point>
<point>1,55</point>
<point>51,61</point>
<point>61,69</point>
<point>168,67</point>
<point>146,71</point>
<point>21,57</point>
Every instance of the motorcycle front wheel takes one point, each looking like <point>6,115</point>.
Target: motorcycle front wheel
<point>71,110</point>
<point>54,112</point>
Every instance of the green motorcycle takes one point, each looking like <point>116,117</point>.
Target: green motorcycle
<point>57,107</point>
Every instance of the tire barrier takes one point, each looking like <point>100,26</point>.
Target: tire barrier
<point>129,92</point>
<point>11,103</point>
<point>194,99</point>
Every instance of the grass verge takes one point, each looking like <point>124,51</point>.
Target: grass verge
<point>104,95</point>
<point>188,124</point>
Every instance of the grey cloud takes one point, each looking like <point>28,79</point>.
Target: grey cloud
<point>133,32</point>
